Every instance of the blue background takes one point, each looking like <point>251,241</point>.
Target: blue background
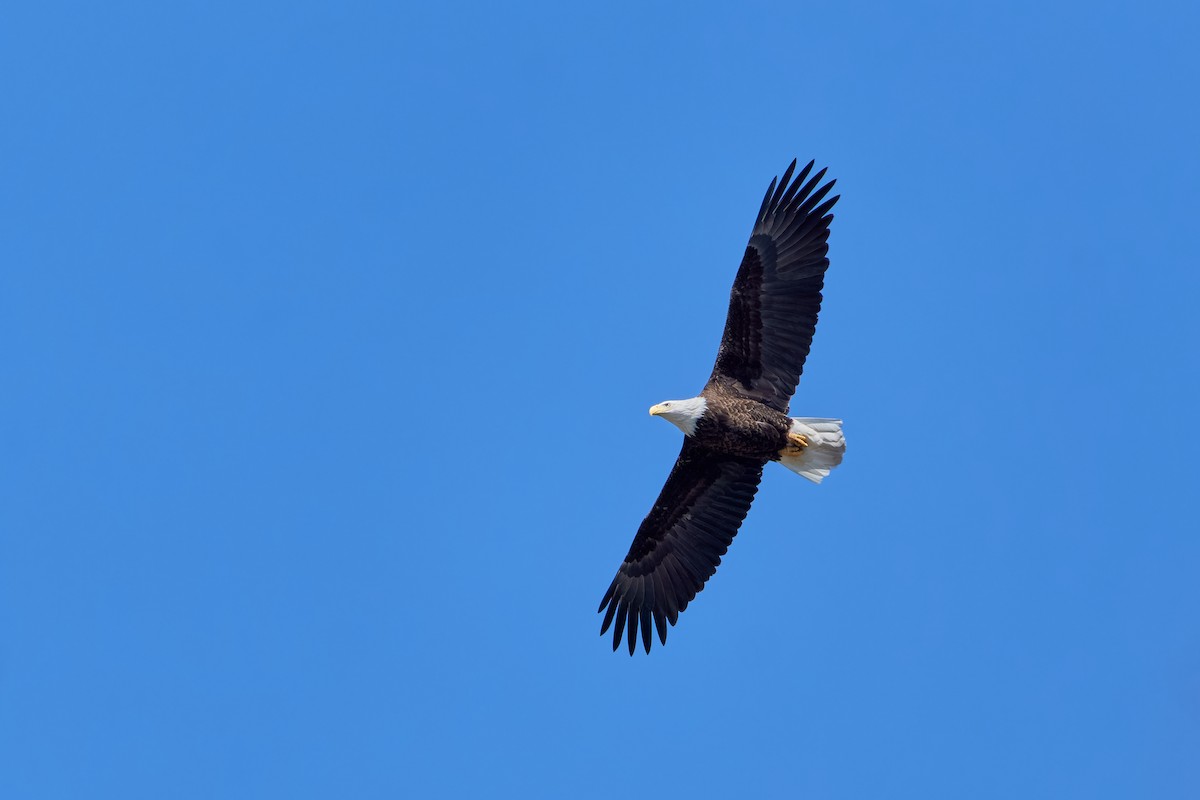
<point>328,334</point>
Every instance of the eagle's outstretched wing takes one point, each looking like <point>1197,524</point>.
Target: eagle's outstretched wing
<point>777,293</point>
<point>681,541</point>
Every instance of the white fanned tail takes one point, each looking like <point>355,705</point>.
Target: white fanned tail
<point>826,446</point>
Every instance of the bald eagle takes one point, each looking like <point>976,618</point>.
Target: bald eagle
<point>740,420</point>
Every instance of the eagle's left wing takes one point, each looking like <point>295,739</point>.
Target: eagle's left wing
<point>777,292</point>
<point>681,541</point>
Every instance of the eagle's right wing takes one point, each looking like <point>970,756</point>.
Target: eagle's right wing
<point>681,541</point>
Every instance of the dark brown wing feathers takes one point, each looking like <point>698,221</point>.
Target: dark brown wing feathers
<point>680,543</point>
<point>776,295</point>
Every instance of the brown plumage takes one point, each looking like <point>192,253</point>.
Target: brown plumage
<point>740,420</point>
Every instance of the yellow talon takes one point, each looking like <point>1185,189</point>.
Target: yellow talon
<point>795,445</point>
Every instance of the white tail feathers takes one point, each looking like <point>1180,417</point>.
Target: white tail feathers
<point>824,451</point>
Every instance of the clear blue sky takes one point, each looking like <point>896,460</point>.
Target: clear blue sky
<point>328,334</point>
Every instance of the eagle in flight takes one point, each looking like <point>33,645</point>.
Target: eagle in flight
<point>740,420</point>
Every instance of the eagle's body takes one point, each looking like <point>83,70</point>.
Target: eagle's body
<point>740,420</point>
<point>739,427</point>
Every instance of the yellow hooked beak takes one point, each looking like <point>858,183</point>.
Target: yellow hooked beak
<point>658,409</point>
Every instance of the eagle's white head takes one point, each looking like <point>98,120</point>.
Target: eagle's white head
<point>683,414</point>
